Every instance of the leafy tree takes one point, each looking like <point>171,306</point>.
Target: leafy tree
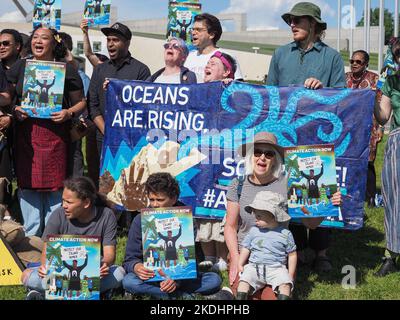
<point>374,18</point>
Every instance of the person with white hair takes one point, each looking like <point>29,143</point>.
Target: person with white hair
<point>175,54</point>
<point>263,172</point>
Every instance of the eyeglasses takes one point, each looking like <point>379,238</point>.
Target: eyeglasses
<point>171,46</point>
<point>356,61</point>
<point>199,29</point>
<point>269,154</point>
<point>5,43</point>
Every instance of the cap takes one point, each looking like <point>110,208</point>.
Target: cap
<point>118,28</point>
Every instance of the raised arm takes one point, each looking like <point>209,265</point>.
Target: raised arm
<point>87,47</point>
<point>383,110</point>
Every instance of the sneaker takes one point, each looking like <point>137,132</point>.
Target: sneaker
<point>388,266</point>
<point>224,294</point>
<point>205,265</point>
<point>34,295</point>
<point>220,266</point>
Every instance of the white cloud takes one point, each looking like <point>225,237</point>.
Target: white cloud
<point>14,16</point>
<point>266,14</point>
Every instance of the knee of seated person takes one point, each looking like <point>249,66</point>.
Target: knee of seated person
<point>118,273</point>
<point>213,276</point>
<point>131,280</point>
<point>213,280</point>
<point>25,276</point>
<point>31,279</point>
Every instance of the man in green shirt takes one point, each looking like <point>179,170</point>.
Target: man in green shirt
<point>309,62</point>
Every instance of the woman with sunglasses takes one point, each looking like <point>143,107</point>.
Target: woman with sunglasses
<point>175,54</point>
<point>41,145</point>
<point>360,78</point>
<point>263,172</point>
<point>389,108</point>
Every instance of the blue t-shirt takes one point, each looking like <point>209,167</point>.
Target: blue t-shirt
<point>269,246</point>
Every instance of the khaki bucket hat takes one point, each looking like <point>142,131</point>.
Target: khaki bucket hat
<point>305,9</point>
<point>272,202</point>
<point>261,138</point>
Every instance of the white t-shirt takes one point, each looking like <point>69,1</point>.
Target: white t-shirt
<point>172,78</point>
<point>197,63</point>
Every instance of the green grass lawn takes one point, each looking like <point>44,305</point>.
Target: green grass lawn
<point>362,249</point>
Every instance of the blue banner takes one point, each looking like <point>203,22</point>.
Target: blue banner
<point>193,132</point>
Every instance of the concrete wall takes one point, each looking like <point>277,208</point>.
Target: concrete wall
<point>280,37</point>
<point>150,51</point>
<point>159,26</point>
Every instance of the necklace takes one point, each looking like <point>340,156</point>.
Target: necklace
<point>359,78</point>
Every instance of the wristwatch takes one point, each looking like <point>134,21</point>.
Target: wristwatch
<point>71,113</point>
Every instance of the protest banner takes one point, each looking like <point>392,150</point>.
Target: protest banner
<point>181,18</point>
<point>43,88</point>
<point>10,266</point>
<point>47,13</point>
<point>193,132</point>
<point>73,264</point>
<point>311,174</point>
<point>168,243</point>
<point>97,12</point>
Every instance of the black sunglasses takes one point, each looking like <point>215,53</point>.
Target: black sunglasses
<point>5,43</point>
<point>295,19</point>
<point>269,154</point>
<point>356,61</point>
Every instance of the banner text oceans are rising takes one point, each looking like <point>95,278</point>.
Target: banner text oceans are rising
<point>157,119</point>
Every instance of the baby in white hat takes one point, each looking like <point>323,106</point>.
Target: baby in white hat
<point>269,247</point>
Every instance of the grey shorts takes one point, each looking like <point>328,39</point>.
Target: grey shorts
<point>259,275</point>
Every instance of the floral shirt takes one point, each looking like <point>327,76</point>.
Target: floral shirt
<point>368,80</point>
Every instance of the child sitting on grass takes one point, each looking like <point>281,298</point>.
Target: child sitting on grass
<point>270,246</point>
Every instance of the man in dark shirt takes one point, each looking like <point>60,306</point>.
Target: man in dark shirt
<point>312,182</point>
<point>120,66</point>
<point>10,47</point>
<point>5,98</point>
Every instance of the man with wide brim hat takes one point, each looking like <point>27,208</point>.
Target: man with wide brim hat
<point>265,138</point>
<point>307,60</point>
<point>305,9</point>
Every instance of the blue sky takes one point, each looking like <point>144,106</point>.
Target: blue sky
<point>261,14</point>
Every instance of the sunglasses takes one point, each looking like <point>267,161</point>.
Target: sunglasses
<point>171,46</point>
<point>5,43</point>
<point>269,154</point>
<point>356,61</point>
<point>295,20</point>
<point>199,29</point>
